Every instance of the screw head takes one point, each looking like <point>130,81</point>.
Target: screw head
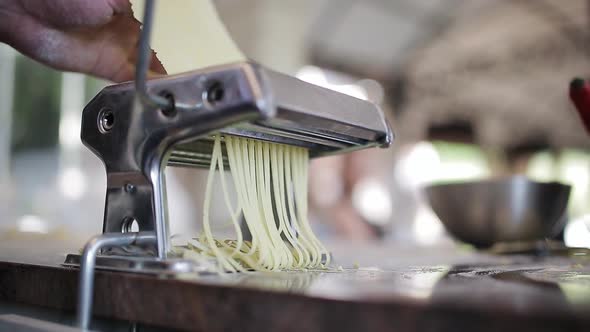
<point>130,188</point>
<point>106,120</point>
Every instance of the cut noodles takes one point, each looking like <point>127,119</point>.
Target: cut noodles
<point>270,181</point>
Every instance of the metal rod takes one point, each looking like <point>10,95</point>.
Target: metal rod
<point>87,263</point>
<point>144,58</point>
<point>158,179</point>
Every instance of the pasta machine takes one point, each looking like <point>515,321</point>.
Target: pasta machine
<point>137,141</point>
<point>138,128</point>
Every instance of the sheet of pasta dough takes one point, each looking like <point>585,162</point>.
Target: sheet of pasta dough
<point>188,34</point>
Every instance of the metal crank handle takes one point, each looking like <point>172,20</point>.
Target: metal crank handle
<point>87,263</point>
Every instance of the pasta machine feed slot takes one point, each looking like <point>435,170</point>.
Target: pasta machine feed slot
<point>137,141</point>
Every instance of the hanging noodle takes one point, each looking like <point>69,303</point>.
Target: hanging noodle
<point>271,184</point>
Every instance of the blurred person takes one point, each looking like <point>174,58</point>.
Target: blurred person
<point>332,184</point>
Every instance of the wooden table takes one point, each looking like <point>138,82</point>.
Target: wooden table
<point>412,290</point>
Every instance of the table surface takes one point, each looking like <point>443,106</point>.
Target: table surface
<point>409,289</point>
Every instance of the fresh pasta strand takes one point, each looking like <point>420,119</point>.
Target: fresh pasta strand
<point>270,181</point>
<point>208,236</point>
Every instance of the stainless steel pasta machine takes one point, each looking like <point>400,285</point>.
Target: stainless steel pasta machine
<point>137,141</point>
<point>139,128</point>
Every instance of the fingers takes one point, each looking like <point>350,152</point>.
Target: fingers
<point>80,13</point>
<point>108,51</point>
<point>155,67</point>
<point>124,73</point>
<point>49,35</point>
<point>127,72</point>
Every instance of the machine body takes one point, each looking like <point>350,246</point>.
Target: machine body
<point>137,141</point>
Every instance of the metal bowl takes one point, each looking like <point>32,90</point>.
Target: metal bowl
<point>504,210</point>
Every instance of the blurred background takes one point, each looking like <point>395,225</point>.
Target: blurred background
<point>473,89</point>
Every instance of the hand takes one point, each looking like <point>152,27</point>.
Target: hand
<point>96,37</point>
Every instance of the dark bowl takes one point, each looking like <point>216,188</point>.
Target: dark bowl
<point>483,213</point>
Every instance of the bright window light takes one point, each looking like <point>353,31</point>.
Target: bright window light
<point>373,201</point>
<point>317,76</point>
<point>577,233</point>
<point>32,224</point>
<point>72,183</point>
